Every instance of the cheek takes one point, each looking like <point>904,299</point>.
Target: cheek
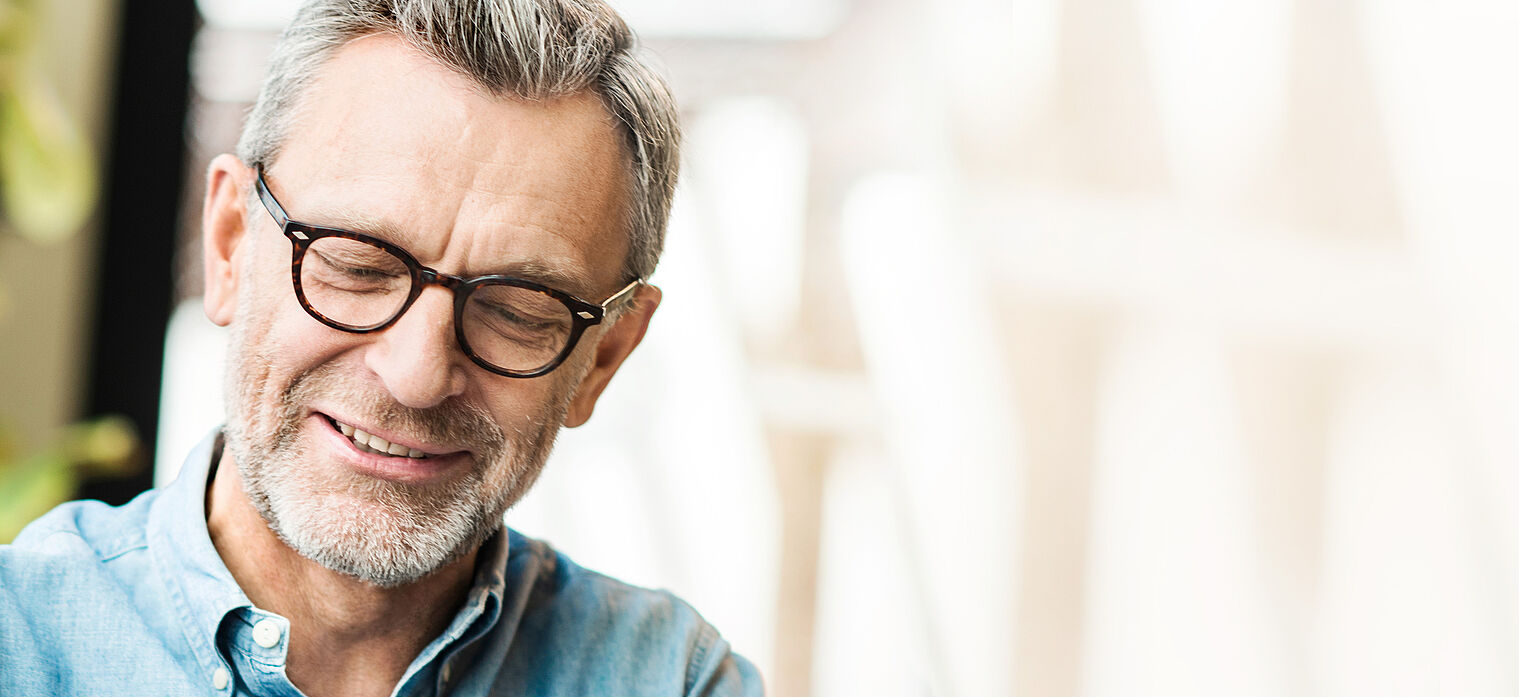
<point>274,339</point>
<point>525,407</point>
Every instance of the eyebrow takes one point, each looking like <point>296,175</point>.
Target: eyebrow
<point>543,272</point>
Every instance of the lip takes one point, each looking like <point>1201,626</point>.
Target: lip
<point>438,465</point>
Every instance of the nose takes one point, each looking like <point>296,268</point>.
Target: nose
<point>417,358</point>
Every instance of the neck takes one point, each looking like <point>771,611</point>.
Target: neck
<point>346,636</point>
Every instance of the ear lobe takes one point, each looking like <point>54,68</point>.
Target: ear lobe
<point>223,221</point>
<point>611,350</point>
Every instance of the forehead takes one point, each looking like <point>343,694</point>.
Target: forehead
<point>388,141</point>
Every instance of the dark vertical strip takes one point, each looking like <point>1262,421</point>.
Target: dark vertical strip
<point>144,171</point>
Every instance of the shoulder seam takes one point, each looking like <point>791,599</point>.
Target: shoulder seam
<point>697,667</point>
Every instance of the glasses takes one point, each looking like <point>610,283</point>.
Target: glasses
<point>356,283</point>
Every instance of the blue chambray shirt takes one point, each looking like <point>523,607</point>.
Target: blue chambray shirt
<point>101,600</point>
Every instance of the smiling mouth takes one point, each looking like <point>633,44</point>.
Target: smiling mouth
<point>370,443</point>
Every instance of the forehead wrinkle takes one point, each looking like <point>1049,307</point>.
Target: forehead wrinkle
<point>574,168</point>
<point>553,270</point>
<point>501,215</point>
<point>576,230</point>
<point>510,218</point>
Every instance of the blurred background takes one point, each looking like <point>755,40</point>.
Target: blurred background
<point>1010,347</point>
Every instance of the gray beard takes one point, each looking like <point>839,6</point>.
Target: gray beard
<point>377,531</point>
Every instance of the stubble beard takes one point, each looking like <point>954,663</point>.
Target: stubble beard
<point>374,530</point>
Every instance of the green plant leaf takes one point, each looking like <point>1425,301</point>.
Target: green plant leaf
<point>47,171</point>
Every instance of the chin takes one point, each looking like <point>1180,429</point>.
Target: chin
<point>380,546</point>
<point>374,530</point>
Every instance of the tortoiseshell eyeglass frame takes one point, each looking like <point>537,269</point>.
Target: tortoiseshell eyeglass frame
<point>584,315</point>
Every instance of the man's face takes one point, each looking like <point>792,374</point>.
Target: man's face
<point>389,143</point>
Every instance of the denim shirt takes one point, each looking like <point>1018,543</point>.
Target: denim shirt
<point>101,600</point>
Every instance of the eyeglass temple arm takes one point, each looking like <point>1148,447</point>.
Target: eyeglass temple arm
<point>621,295</point>
<point>271,205</point>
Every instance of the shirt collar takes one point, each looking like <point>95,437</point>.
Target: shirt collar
<point>457,646</point>
<point>205,593</point>
<point>203,589</point>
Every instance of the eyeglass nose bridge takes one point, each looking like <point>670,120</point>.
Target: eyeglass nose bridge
<point>425,276</point>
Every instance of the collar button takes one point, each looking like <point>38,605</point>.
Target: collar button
<point>266,633</point>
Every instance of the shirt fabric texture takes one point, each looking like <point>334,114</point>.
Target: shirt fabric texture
<point>102,600</point>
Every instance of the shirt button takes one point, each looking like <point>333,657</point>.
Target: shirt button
<point>219,679</point>
<point>266,633</point>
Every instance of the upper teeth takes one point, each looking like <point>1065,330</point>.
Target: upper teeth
<point>370,442</point>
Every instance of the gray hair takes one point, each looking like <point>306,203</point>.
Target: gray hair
<point>529,49</point>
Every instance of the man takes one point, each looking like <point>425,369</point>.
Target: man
<point>431,252</point>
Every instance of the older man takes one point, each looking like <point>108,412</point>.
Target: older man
<point>431,252</point>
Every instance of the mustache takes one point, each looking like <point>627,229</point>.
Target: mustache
<point>451,421</point>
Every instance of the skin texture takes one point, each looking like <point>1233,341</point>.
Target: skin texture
<point>389,143</point>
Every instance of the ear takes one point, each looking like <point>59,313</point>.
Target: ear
<point>612,349</point>
<point>223,219</point>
